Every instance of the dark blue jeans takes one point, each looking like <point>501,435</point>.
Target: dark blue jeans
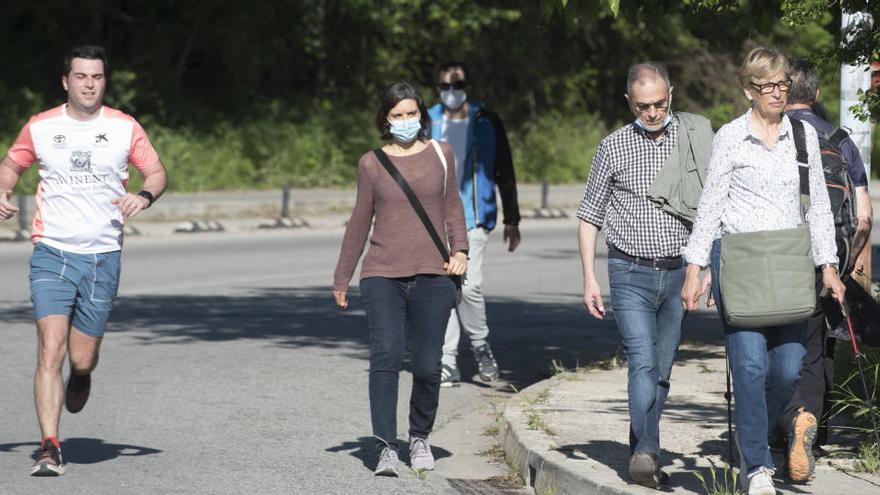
<point>765,364</point>
<point>420,305</point>
<point>647,307</point>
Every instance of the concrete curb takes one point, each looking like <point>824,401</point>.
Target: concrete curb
<point>531,453</point>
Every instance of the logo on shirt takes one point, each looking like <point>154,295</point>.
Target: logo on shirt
<point>81,161</point>
<point>59,141</point>
<point>101,138</point>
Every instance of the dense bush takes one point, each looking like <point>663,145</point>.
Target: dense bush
<point>323,149</point>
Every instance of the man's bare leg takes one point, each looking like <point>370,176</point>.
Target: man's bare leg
<point>83,351</point>
<point>48,382</point>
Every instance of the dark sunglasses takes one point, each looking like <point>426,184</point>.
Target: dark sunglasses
<point>454,85</point>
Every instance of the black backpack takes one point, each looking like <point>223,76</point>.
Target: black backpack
<point>841,192</point>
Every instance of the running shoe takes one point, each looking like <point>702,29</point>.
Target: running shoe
<point>486,364</point>
<point>802,432</point>
<point>761,482</point>
<point>49,461</point>
<point>449,376</point>
<point>420,456</point>
<point>387,465</point>
<point>78,388</point>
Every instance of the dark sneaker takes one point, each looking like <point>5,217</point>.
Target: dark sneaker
<point>802,432</point>
<point>49,461</point>
<point>486,364</point>
<point>78,388</point>
<point>420,456</point>
<point>387,465</point>
<point>644,469</point>
<point>449,376</point>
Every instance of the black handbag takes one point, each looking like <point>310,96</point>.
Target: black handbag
<point>459,280</point>
<point>864,312</point>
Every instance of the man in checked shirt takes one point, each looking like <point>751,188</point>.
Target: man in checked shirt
<point>644,251</point>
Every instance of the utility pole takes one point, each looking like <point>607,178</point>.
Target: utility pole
<point>852,79</point>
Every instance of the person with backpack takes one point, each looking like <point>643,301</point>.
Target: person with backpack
<point>759,163</point>
<point>408,187</point>
<point>847,183</point>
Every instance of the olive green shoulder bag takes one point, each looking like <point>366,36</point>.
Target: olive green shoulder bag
<point>768,278</point>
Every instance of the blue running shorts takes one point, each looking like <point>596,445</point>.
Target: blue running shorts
<point>80,286</point>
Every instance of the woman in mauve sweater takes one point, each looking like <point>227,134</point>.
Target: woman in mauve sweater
<point>405,283</point>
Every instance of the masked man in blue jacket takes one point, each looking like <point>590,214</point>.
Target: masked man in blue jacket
<point>482,163</point>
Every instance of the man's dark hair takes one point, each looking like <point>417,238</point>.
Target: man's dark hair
<point>804,81</point>
<point>452,65</point>
<point>90,52</point>
<point>396,93</point>
<point>646,69</point>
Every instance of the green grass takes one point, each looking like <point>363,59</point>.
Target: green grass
<point>849,400</point>
<point>721,481</point>
<point>868,458</point>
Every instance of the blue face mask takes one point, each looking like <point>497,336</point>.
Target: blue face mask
<point>659,128</point>
<point>405,130</point>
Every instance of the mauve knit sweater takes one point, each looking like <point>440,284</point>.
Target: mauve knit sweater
<point>400,245</point>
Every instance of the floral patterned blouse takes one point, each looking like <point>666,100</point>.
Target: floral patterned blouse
<point>750,187</point>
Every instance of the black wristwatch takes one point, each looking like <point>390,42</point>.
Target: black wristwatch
<point>148,196</point>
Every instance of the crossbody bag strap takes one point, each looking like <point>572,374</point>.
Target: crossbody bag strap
<point>414,201</point>
<point>443,161</point>
<point>800,145</point>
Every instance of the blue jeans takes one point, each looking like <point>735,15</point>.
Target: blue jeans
<point>420,305</point>
<point>765,364</point>
<point>647,307</point>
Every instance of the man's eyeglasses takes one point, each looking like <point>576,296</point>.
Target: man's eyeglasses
<point>660,106</point>
<point>766,89</point>
<point>453,85</point>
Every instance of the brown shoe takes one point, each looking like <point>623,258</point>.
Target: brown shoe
<point>78,388</point>
<point>801,462</point>
<point>644,469</point>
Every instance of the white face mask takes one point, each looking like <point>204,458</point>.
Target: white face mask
<point>453,99</point>
<point>666,121</point>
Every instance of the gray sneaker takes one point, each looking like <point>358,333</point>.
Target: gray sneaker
<point>387,463</point>
<point>449,376</point>
<point>486,363</point>
<point>420,456</point>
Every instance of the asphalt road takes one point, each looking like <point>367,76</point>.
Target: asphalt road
<point>226,369</point>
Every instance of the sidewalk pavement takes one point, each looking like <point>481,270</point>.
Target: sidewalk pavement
<point>569,433</point>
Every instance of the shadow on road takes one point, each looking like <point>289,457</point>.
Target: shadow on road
<point>86,450</point>
<point>527,334</point>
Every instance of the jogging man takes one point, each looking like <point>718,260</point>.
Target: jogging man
<point>812,394</point>
<point>84,150</point>
<point>482,162</point>
<point>645,234</point>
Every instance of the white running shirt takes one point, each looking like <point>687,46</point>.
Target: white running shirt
<point>83,167</point>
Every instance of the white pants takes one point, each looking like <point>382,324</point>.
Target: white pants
<point>471,311</point>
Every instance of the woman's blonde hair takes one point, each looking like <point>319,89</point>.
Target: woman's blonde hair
<point>761,63</point>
